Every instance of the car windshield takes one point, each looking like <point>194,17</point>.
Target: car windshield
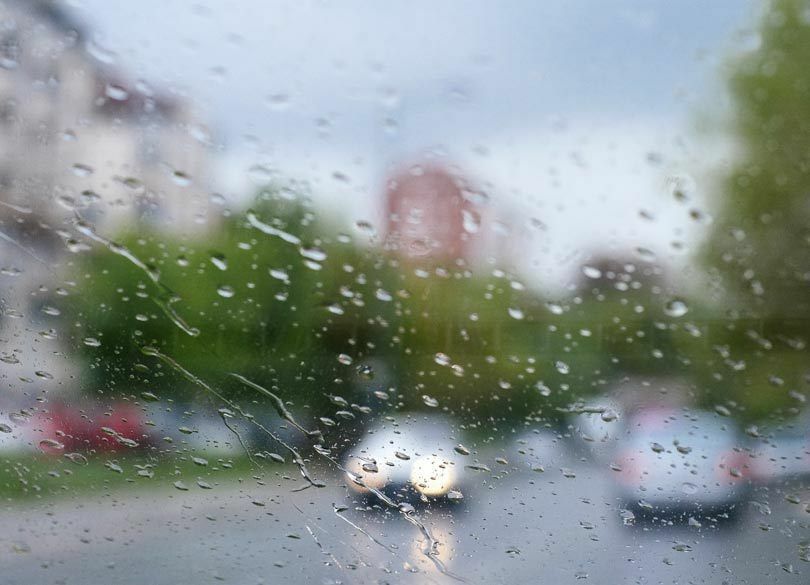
<point>299,291</point>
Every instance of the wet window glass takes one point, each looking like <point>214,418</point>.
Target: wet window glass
<point>404,292</point>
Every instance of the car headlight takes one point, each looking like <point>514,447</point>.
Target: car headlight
<point>432,475</point>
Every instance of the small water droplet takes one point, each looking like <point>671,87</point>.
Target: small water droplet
<point>430,401</point>
<point>591,272</point>
<point>116,92</point>
<point>365,371</point>
<point>181,179</point>
<point>676,308</point>
<point>471,221</point>
<point>609,415</point>
<point>455,496</point>
<point>225,291</point>
<point>442,359</point>
<point>219,261</point>
<point>516,313</point>
<point>48,445</point>
<point>562,367</point>
<point>278,101</point>
<point>81,170</point>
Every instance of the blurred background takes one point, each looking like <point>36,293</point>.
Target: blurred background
<point>409,267</point>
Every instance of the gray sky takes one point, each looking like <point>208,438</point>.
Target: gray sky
<point>553,105</point>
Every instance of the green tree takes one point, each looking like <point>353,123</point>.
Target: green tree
<point>287,301</point>
<point>758,254</point>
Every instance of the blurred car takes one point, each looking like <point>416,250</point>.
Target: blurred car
<point>408,459</point>
<point>87,427</point>
<point>674,462</point>
<point>785,454</point>
<point>200,429</point>
<point>537,450</point>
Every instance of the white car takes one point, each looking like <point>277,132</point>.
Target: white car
<point>413,458</point>
<point>673,462</point>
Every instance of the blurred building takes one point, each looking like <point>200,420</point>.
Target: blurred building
<point>431,215</point>
<point>77,134</point>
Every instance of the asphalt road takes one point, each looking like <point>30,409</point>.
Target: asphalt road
<point>516,527</point>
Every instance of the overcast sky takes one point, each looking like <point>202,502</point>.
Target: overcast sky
<point>556,106</point>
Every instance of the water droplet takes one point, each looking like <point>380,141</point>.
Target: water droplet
<point>81,170</point>
<point>225,291</point>
<point>313,253</point>
<point>260,175</point>
<point>199,461</point>
<point>181,179</point>
<point>383,295</point>
<point>516,313</point>
<point>48,445</point>
<point>365,227</point>
<point>455,496</point>
<point>116,92</point>
<point>278,101</point>
<point>461,449</point>
<point>645,254</point>
<point>676,308</point>
<point>609,415</point>
<point>365,371</point>
<point>430,401</point>
<point>92,342</point>
<point>114,467</point>
<point>344,359</point>
<point>562,367</point>
<point>591,272</point>
<point>219,261</point>
<point>369,467</point>
<point>471,221</point>
<point>181,486</point>
<point>442,359</point>
<point>99,52</point>
<point>76,458</point>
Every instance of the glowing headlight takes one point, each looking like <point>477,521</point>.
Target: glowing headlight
<point>432,475</point>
